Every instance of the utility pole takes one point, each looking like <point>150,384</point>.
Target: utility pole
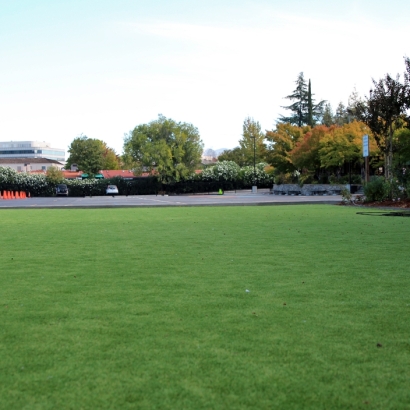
<point>366,156</point>
<point>254,187</point>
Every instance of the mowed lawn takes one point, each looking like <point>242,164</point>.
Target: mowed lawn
<point>287,307</point>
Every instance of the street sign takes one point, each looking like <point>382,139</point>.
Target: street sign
<point>365,145</point>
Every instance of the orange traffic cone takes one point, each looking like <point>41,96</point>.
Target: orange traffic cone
<point>23,195</point>
<point>7,195</point>
<point>17,195</point>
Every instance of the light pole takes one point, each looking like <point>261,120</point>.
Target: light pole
<point>254,187</point>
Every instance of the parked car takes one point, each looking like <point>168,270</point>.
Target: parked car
<point>112,190</point>
<point>62,189</point>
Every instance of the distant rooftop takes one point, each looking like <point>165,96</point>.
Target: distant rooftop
<point>24,144</point>
<point>31,149</point>
<point>28,160</point>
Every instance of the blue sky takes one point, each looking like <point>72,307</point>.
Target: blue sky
<point>102,67</point>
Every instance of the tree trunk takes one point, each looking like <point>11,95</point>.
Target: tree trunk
<point>310,106</point>
<point>386,165</point>
<point>389,162</point>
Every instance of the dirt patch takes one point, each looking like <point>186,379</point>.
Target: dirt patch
<point>402,204</point>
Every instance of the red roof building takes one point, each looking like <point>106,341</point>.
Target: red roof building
<point>115,173</point>
<point>72,174</point>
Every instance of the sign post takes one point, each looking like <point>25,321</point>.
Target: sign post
<point>366,156</point>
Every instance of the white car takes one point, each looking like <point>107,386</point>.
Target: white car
<point>112,190</point>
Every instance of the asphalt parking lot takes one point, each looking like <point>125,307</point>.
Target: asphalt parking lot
<point>241,198</point>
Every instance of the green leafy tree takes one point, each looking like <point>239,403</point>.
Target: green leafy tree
<point>383,112</point>
<point>92,155</point>
<point>401,138</point>
<point>236,155</point>
<point>252,142</point>
<point>110,159</point>
<point>54,176</point>
<point>126,159</point>
<point>87,153</point>
<point>170,149</point>
<point>251,146</point>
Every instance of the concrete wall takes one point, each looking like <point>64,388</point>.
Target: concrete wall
<point>308,189</point>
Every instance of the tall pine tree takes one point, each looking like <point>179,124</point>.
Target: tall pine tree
<point>327,117</point>
<point>304,110</point>
<point>341,116</point>
<point>298,108</point>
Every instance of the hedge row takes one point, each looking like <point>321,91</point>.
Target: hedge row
<point>38,185</point>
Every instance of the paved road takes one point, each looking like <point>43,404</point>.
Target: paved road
<point>229,198</point>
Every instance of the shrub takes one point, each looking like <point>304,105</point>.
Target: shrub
<point>40,185</point>
<point>36,185</point>
<point>346,195</point>
<point>279,179</point>
<point>356,179</point>
<point>287,178</point>
<point>377,189</point>
<point>227,171</point>
<point>248,174</point>
<point>395,190</point>
<point>306,177</point>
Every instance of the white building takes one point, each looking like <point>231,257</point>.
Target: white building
<point>31,149</point>
<point>30,164</point>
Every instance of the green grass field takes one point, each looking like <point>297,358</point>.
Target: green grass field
<point>148,308</point>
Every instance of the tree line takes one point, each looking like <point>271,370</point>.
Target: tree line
<point>311,143</point>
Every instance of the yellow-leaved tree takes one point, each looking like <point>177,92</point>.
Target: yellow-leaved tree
<point>343,145</point>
